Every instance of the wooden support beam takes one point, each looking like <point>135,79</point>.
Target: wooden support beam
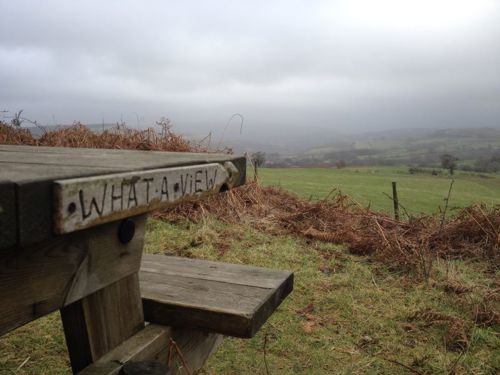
<point>101,321</point>
<point>42,278</point>
<point>153,343</point>
<point>196,346</point>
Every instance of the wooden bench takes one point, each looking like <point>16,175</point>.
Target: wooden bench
<point>72,225</point>
<point>230,299</point>
<point>194,302</point>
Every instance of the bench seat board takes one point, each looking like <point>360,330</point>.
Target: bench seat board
<point>234,300</point>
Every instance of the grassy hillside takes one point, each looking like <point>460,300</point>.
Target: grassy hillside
<point>468,145</point>
<point>417,193</point>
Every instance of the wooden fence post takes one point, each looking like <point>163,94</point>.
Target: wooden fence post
<point>395,200</point>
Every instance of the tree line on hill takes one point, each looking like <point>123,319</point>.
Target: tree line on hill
<point>341,159</point>
<point>485,164</point>
<point>469,149</point>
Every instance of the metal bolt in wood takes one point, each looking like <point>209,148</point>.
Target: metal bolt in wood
<point>126,231</point>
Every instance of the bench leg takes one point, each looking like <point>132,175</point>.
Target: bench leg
<point>196,346</point>
<point>101,321</point>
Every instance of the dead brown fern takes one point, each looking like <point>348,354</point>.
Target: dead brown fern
<point>456,287</point>
<point>160,138</point>
<point>457,330</point>
<point>11,135</point>
<point>412,244</point>
<point>488,312</point>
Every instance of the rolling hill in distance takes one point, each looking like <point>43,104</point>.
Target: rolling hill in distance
<point>418,147</point>
<point>325,147</point>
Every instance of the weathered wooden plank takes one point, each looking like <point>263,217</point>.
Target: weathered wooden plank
<point>34,196</point>
<point>149,343</point>
<point>33,169</point>
<point>32,172</point>
<point>152,343</point>
<point>236,299</point>
<point>81,159</point>
<point>101,321</point>
<point>231,305</point>
<point>141,155</point>
<point>34,200</point>
<point>76,334</point>
<point>42,278</point>
<point>84,202</point>
<point>214,271</point>
<point>8,222</point>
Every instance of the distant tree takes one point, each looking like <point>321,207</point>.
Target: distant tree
<point>496,157</point>
<point>340,164</point>
<point>258,158</point>
<point>489,165</point>
<point>274,156</point>
<point>449,162</point>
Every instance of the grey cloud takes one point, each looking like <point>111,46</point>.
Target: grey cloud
<point>280,63</point>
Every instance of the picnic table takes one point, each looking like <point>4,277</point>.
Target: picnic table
<point>72,224</point>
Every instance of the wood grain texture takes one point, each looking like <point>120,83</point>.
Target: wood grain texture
<point>101,321</point>
<point>234,300</point>
<point>152,343</point>
<point>42,278</point>
<point>215,271</point>
<point>100,199</point>
<point>72,161</point>
<point>33,169</point>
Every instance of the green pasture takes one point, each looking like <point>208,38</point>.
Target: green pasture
<point>420,192</point>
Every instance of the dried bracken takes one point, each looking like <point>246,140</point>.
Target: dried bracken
<point>488,312</point>
<point>11,135</point>
<point>413,244</point>
<point>457,330</point>
<point>160,138</point>
<point>475,231</point>
<point>456,287</point>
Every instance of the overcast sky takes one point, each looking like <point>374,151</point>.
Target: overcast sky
<point>346,65</point>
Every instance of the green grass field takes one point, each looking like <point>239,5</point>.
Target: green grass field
<point>417,193</point>
<point>347,314</point>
